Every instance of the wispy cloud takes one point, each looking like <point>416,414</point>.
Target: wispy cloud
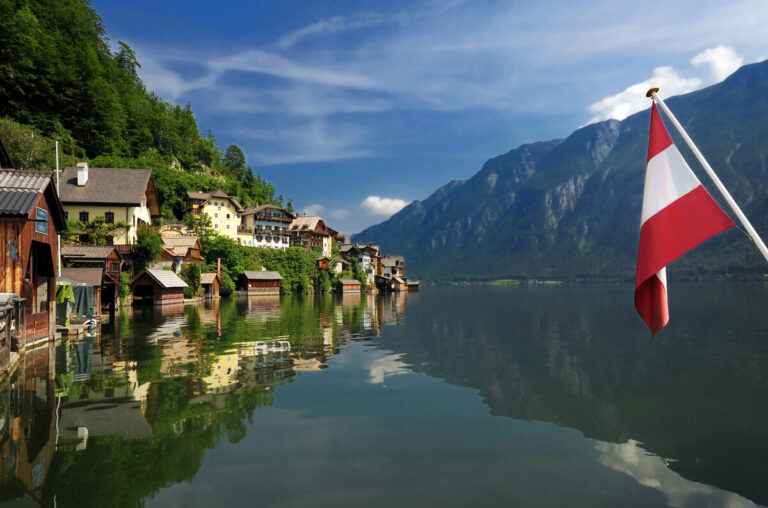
<point>332,25</point>
<point>377,205</point>
<point>716,63</point>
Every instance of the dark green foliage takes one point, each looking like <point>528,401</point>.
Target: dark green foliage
<point>148,248</point>
<point>62,82</point>
<point>191,275</point>
<point>124,290</point>
<point>227,286</point>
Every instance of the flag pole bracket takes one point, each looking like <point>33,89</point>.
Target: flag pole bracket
<point>652,91</point>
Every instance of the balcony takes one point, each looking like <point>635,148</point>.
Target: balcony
<point>244,230</point>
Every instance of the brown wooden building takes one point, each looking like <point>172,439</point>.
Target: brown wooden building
<point>324,263</point>
<point>211,284</point>
<point>89,256</point>
<point>348,286</point>
<point>260,283</point>
<point>31,216</point>
<point>178,250</point>
<point>104,286</point>
<point>158,287</point>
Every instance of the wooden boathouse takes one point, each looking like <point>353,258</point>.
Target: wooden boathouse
<point>210,283</point>
<point>348,286</point>
<point>157,287</point>
<point>31,216</point>
<point>260,283</point>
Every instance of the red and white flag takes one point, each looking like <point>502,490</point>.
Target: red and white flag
<point>678,214</point>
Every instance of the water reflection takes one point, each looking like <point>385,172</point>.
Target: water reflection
<point>149,407</point>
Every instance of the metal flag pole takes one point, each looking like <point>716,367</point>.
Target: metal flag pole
<point>58,236</point>
<point>652,93</point>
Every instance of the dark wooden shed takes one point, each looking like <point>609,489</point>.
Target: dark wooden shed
<point>260,283</point>
<point>211,284</point>
<point>158,287</point>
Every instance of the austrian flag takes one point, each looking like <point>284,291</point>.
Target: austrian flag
<point>678,214</point>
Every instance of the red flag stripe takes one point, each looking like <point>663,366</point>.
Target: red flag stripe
<point>651,303</point>
<point>659,139</point>
<point>676,229</point>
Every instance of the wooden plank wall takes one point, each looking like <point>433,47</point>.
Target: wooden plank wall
<point>10,270</point>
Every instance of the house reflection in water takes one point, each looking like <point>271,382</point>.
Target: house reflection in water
<point>27,429</point>
<point>98,397</point>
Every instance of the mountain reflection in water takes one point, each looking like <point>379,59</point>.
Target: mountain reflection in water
<point>229,402</point>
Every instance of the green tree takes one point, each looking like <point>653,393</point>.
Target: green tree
<point>234,160</point>
<point>149,246</point>
<point>98,229</point>
<point>124,288</point>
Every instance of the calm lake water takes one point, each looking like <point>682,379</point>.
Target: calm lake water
<point>475,396</point>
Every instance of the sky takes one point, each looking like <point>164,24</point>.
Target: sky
<point>353,109</point>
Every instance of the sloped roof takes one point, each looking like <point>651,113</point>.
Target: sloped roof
<point>208,278</point>
<point>305,223</point>
<point>255,275</point>
<point>256,209</point>
<point>86,251</point>
<point>390,260</point>
<point>92,276</point>
<point>20,190</point>
<point>348,282</point>
<point>166,278</point>
<point>180,241</point>
<point>218,193</point>
<point>105,186</point>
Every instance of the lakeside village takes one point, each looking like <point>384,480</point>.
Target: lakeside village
<point>114,252</point>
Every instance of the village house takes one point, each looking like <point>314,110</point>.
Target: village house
<point>117,195</point>
<point>87,256</point>
<point>158,287</point>
<point>310,231</point>
<point>179,249</point>
<point>323,263</point>
<point>392,266</point>
<point>367,257</point>
<point>266,226</point>
<point>31,215</point>
<point>260,283</point>
<point>348,286</point>
<point>224,211</point>
<point>210,283</point>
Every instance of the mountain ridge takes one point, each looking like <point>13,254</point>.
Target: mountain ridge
<point>569,208</point>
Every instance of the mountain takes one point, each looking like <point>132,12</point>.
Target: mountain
<point>570,208</point>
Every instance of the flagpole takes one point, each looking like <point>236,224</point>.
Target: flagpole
<point>711,172</point>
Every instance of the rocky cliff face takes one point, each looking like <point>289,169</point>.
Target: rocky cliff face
<point>570,208</point>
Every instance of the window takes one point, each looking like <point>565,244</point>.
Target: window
<point>109,217</point>
<point>216,214</point>
<point>216,225</point>
<point>227,216</point>
<point>41,226</point>
<point>227,226</point>
<point>83,216</point>
<point>114,267</point>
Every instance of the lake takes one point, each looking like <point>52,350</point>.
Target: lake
<point>455,396</point>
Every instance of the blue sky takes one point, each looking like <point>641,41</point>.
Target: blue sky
<point>355,108</point>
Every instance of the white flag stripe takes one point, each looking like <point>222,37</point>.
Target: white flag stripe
<point>667,179</point>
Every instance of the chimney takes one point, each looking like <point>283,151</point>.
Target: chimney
<point>82,173</point>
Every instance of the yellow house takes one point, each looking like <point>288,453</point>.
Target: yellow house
<point>118,195</point>
<point>223,210</point>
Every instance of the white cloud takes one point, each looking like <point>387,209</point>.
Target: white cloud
<point>316,209</point>
<point>722,62</point>
<point>332,25</point>
<point>385,207</point>
<point>718,63</point>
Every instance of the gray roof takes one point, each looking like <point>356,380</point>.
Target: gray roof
<point>166,278</point>
<point>20,190</point>
<point>254,275</point>
<point>86,251</point>
<point>256,209</point>
<point>112,186</point>
<point>92,276</point>
<point>390,260</point>
<point>349,281</point>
